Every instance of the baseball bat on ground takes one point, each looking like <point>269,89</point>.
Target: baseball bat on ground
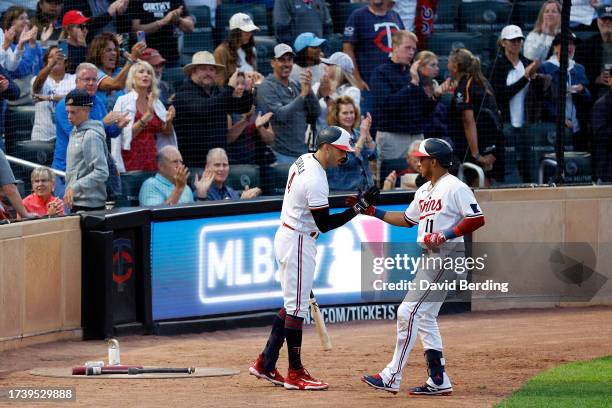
<point>133,370</point>
<point>319,323</point>
<point>82,370</point>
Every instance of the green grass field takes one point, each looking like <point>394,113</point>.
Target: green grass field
<point>576,385</point>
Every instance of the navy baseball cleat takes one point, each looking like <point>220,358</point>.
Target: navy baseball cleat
<point>376,381</point>
<point>427,389</point>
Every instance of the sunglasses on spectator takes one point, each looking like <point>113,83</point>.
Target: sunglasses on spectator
<point>54,1</point>
<point>515,40</point>
<point>81,26</point>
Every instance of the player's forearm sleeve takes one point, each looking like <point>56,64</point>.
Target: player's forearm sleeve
<point>466,226</point>
<point>326,222</point>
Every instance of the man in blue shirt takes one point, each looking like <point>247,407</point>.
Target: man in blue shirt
<point>211,186</point>
<point>169,185</point>
<point>86,78</point>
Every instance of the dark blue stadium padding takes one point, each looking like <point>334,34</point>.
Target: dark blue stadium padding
<point>174,76</point>
<point>130,187</point>
<point>534,142</point>
<point>443,43</point>
<point>201,39</point>
<point>578,168</point>
<point>483,16</point>
<point>511,135</point>
<point>18,123</point>
<point>525,15</point>
<point>447,15</point>
<point>242,175</point>
<point>275,178</point>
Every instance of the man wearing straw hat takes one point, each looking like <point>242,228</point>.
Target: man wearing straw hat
<point>202,107</point>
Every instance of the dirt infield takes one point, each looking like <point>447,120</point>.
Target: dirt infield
<point>488,356</point>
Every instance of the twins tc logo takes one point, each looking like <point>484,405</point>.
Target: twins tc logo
<point>430,205</point>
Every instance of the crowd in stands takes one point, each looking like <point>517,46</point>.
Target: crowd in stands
<point>114,92</point>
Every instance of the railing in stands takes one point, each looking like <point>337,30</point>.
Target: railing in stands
<point>32,165</point>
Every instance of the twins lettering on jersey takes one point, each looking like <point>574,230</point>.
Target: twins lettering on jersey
<point>430,205</point>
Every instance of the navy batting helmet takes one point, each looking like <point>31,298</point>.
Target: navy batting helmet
<point>436,149</point>
<point>337,137</point>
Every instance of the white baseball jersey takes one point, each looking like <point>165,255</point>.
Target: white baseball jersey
<point>442,206</point>
<point>306,190</point>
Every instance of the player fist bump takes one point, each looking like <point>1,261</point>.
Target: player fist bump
<point>434,239</point>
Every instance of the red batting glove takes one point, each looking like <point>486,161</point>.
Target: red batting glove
<point>350,201</point>
<point>433,240</point>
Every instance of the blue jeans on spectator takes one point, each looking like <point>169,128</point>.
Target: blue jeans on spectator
<point>284,159</point>
<point>60,187</point>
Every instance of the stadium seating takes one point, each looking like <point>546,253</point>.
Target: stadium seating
<point>174,76</point>
<point>265,52</point>
<point>201,38</point>
<point>534,142</point>
<point>443,43</point>
<point>19,121</point>
<point>484,16</point>
<point>447,15</point>
<point>130,187</point>
<point>578,168</point>
<point>333,44</point>
<point>275,178</point>
<point>243,175</point>
<point>525,15</point>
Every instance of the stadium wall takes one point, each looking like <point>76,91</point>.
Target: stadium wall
<point>40,261</point>
<point>562,214</point>
<point>40,282</point>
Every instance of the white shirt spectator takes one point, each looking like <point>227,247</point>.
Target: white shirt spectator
<point>44,119</point>
<point>537,45</point>
<point>9,58</point>
<point>582,13</point>
<point>517,103</point>
<point>407,11</point>
<point>317,73</point>
<point>243,64</point>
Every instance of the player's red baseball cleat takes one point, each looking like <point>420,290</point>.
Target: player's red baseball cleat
<point>257,369</point>
<point>302,380</point>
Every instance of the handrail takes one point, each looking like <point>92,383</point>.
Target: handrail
<point>32,165</point>
<point>544,163</point>
<point>477,169</point>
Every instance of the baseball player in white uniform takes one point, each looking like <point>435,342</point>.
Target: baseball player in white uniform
<point>304,215</point>
<point>445,209</point>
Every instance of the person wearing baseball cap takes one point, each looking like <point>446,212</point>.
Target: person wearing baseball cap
<point>511,76</point>
<point>307,47</point>
<point>237,52</point>
<point>86,165</point>
<point>594,54</point>
<point>290,104</point>
<point>202,107</point>
<point>578,96</point>
<point>74,25</point>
